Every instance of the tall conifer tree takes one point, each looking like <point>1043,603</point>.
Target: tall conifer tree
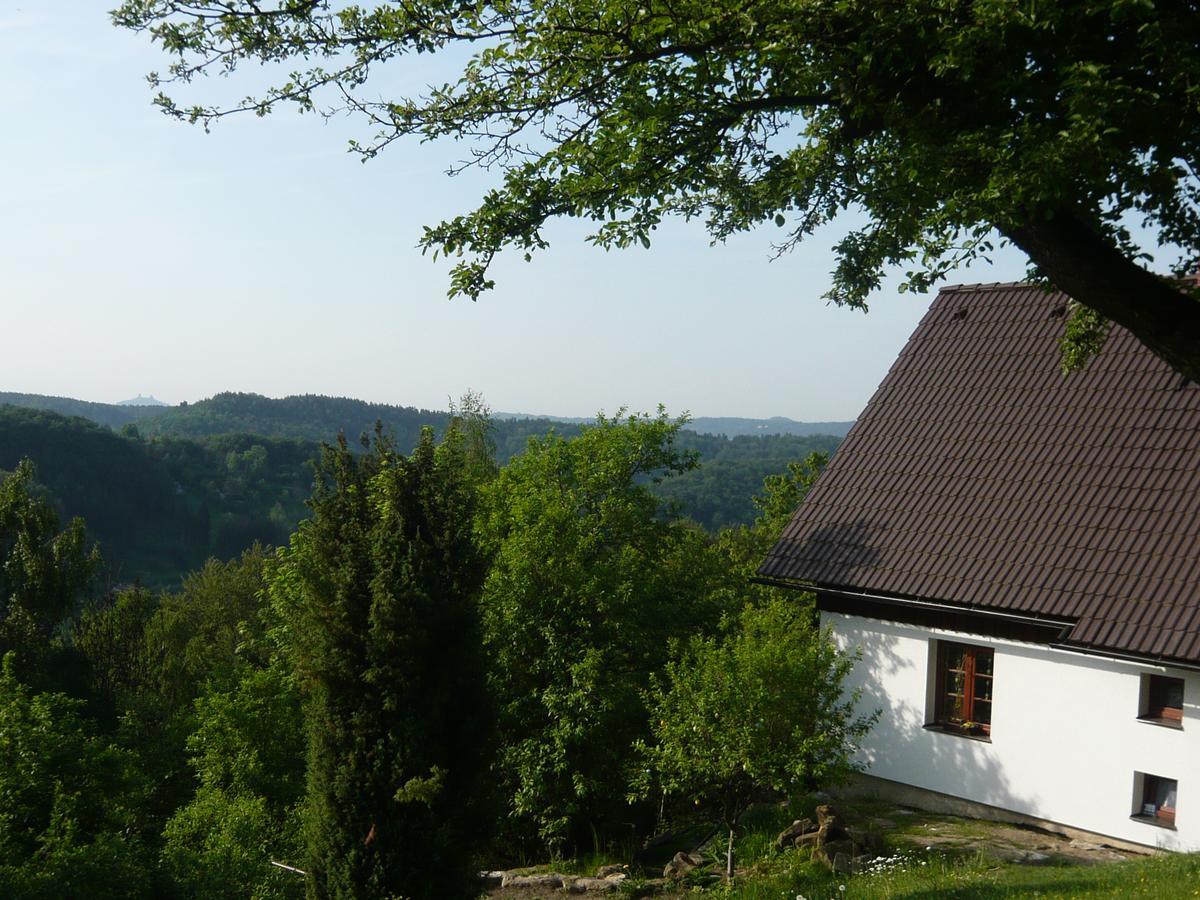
<point>381,586</point>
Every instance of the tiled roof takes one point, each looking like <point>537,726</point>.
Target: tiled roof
<point>980,476</point>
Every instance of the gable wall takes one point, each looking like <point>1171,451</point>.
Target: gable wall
<point>1065,740</point>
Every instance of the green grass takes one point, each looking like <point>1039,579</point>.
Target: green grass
<point>915,874</point>
<point>929,876</point>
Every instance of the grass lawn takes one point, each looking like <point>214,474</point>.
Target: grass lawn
<point>964,859</point>
<point>931,875</point>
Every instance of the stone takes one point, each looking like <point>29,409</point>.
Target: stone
<point>787,837</point>
<point>863,838</point>
<point>841,863</point>
<point>861,863</point>
<point>829,824</point>
<point>541,880</point>
<point>593,885</point>
<point>840,846</point>
<point>491,879</point>
<point>825,812</point>
<point>610,870</point>
<point>682,863</point>
<point>827,854</point>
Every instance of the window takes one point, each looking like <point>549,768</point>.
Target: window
<point>963,702</point>
<point>1154,799</point>
<point>1162,700</point>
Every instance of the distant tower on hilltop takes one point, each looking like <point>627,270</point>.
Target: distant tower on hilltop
<point>139,400</point>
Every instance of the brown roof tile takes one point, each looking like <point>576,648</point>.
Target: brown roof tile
<point>978,475</point>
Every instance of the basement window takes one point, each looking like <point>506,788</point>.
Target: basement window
<point>963,702</point>
<point>1162,701</point>
<point>1154,799</point>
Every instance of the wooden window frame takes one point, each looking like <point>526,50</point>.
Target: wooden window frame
<point>1157,711</point>
<point>1163,816</point>
<point>967,725</point>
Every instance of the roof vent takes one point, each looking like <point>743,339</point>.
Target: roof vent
<point>1059,311</point>
<point>960,313</point>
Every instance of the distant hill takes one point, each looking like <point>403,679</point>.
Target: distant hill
<point>160,507</point>
<point>212,477</point>
<point>310,417</point>
<point>317,418</point>
<point>733,427</point>
<point>314,417</point>
<point>139,400</point>
<point>729,426</point>
<point>111,414</point>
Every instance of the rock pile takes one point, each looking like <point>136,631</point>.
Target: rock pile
<point>682,863</point>
<point>606,879</point>
<point>842,848</point>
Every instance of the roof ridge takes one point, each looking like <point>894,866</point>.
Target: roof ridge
<point>955,288</point>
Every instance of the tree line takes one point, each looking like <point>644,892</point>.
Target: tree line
<point>451,662</point>
<point>160,504</point>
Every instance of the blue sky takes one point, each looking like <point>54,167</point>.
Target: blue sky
<point>140,255</point>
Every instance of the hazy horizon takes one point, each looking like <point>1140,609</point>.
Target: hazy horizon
<point>143,255</point>
<point>138,400</point>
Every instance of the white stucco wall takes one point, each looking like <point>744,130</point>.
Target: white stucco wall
<point>1065,741</point>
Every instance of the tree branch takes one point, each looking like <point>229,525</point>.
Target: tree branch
<point>1089,269</point>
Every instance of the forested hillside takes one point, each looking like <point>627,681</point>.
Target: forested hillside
<point>309,417</point>
<point>729,426</point>
<point>160,507</point>
<point>315,417</point>
<point>165,493</point>
<point>111,414</point>
<point>720,492</point>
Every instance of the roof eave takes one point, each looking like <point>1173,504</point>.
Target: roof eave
<point>1058,627</point>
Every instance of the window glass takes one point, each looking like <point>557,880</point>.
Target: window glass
<point>1164,700</point>
<point>1158,799</point>
<point>964,701</point>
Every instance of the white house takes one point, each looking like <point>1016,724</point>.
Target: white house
<point>1016,555</point>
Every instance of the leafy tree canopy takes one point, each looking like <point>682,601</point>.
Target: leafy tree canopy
<point>67,824</point>
<point>1055,124</point>
<point>761,708</point>
<point>586,585</point>
<point>43,572</point>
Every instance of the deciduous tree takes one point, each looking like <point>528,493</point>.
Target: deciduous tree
<point>44,572</point>
<point>587,583</point>
<point>247,753</point>
<point>68,817</point>
<point>761,708</point>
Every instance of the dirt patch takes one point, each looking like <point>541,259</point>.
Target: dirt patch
<point>905,828</point>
